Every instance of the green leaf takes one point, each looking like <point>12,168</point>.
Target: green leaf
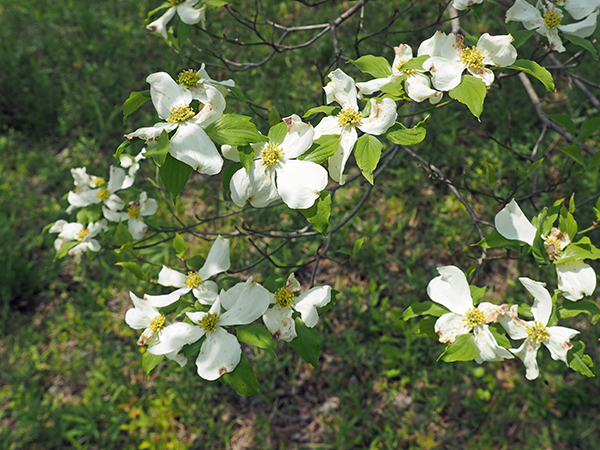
<point>578,251</point>
<point>327,110</point>
<point>395,90</point>
<point>318,214</point>
<point>367,153</point>
<point>64,249</point>
<point>321,149</point>
<point>246,154</point>
<point>357,246</point>
<point>307,343</point>
<point>564,121</point>
<point>491,175</point>
<point>576,308</point>
<point>196,262</point>
<point>427,327</point>
<point>126,143</point>
<point>471,92</point>
<point>567,223</point>
<point>133,103</point>
<point>89,214</point>
<point>477,293</point>
<point>274,117</point>
<point>377,66</point>
<point>228,173</point>
<point>179,246</point>
<point>463,348</point>
<point>277,133</point>
<point>425,308</point>
<point>159,149</point>
<point>414,63</point>
<point>237,93</point>
<point>122,234</point>
<point>242,379</point>
<point>174,174</point>
<point>581,42</point>
<point>155,10</point>
<point>214,4</point>
<point>150,361</point>
<point>588,128</point>
<point>399,134</point>
<point>500,335</point>
<point>494,240</point>
<point>256,335</point>
<point>183,33</point>
<point>232,129</point>
<point>595,162</point>
<point>534,69</point>
<point>521,36</point>
<point>574,151</point>
<point>533,167</point>
<point>579,361</point>
<point>134,269</point>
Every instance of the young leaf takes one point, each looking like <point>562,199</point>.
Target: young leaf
<point>257,335</point>
<point>423,308</point>
<point>159,149</point>
<point>463,348</point>
<point>576,308</point>
<point>477,292</point>
<point>174,174</point>
<point>232,129</point>
<point>274,116</point>
<point>581,42</point>
<point>307,343</point>
<point>533,167</point>
<point>133,103</point>
<point>327,110</point>
<point>321,149</point>
<point>567,223</point>
<point>414,63</point>
<point>318,214</point>
<point>574,151</point>
<point>399,134</point>
<point>277,133</point>
<point>242,379</point>
<point>122,234</point>
<point>493,240</point>
<point>564,121</point>
<point>588,128</point>
<point>150,361</point>
<point>228,173</point>
<point>367,153</point>
<point>64,249</point>
<point>579,361</point>
<point>246,154</point>
<point>133,268</point>
<point>520,37</point>
<point>471,92</point>
<point>357,246</point>
<point>427,327</point>
<point>179,246</point>
<point>376,66</point>
<point>183,33</point>
<point>491,175</point>
<point>534,69</point>
<point>122,146</point>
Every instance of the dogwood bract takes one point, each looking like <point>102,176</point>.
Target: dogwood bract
<point>535,333</point>
<point>186,11</point>
<point>102,194</point>
<point>549,23</point>
<point>69,232</point>
<point>575,278</point>
<point>220,352</point>
<point>190,143</point>
<point>454,57</point>
<point>279,320</point>
<point>451,290</point>
<point>342,90</point>
<point>217,261</point>
<point>276,173</point>
<point>417,84</point>
<point>137,227</point>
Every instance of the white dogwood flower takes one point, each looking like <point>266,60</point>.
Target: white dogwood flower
<point>535,333</point>
<point>451,290</point>
<point>342,90</point>
<point>278,318</point>
<point>101,193</point>
<point>417,85</point>
<point>74,231</point>
<point>132,164</point>
<point>454,57</point>
<point>193,80</point>
<point>186,11</point>
<point>548,21</point>
<point>190,143</point>
<point>221,351</point>
<point>143,208</point>
<point>580,9</point>
<point>205,290</point>
<point>276,173</point>
<point>575,278</point>
<point>144,316</point>
<point>461,5</point>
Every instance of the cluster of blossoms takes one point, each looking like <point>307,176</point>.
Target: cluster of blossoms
<point>220,351</point>
<point>93,191</point>
<point>452,291</point>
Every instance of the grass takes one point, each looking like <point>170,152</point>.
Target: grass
<point>71,373</point>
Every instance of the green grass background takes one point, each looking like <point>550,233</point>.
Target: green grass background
<point>70,372</point>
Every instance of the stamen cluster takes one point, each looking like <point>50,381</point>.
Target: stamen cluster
<point>271,155</point>
<point>99,181</point>
<point>209,322</point>
<point>134,210</point>
<point>157,324</point>
<point>103,194</point>
<point>348,116</point>
<point>189,78</point>
<point>537,332</point>
<point>82,234</point>
<point>193,280</point>
<point>473,57</point>
<point>180,114</point>
<point>552,20</point>
<point>284,298</point>
<point>474,317</point>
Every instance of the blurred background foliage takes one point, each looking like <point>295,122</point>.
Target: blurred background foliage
<point>71,373</point>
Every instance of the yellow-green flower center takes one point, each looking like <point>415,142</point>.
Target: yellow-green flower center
<point>472,57</point>
<point>189,78</point>
<point>348,116</point>
<point>99,181</point>
<point>474,317</point>
<point>409,72</point>
<point>157,324</point>
<point>103,194</point>
<point>537,332</point>
<point>209,322</point>
<point>193,280</point>
<point>175,2</point>
<point>82,234</point>
<point>134,210</point>
<point>555,243</point>
<point>284,298</point>
<point>180,114</point>
<point>552,20</point>
<point>271,155</point>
